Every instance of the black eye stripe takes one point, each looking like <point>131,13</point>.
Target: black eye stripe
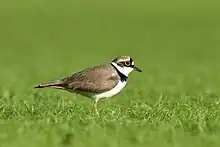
<point>128,64</point>
<point>120,64</point>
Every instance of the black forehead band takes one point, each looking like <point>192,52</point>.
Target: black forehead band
<point>131,60</point>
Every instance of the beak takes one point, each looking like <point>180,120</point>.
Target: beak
<point>137,69</point>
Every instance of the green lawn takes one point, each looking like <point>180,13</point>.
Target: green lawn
<point>173,102</point>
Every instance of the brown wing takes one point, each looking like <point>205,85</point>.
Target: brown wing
<point>96,80</point>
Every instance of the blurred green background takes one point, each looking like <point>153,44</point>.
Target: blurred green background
<point>157,34</point>
<point>175,43</point>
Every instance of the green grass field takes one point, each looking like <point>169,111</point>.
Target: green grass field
<point>173,102</point>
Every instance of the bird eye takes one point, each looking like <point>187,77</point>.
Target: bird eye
<point>127,63</point>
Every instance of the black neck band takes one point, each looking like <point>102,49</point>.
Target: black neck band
<point>123,77</point>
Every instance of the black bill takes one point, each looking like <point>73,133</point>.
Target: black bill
<point>137,69</point>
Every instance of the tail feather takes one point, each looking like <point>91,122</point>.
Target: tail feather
<point>52,85</point>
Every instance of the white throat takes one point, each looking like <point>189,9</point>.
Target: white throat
<point>124,70</point>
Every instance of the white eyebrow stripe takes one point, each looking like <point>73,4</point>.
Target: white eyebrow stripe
<point>125,60</point>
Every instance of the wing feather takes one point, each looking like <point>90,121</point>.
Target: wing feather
<point>95,80</point>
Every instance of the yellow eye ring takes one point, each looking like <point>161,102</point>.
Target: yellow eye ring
<point>127,63</point>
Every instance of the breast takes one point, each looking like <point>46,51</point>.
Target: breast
<point>110,93</point>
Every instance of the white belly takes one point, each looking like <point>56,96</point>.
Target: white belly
<point>111,92</point>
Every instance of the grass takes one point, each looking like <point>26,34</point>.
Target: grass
<point>173,102</point>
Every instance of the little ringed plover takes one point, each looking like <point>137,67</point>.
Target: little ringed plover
<point>102,81</point>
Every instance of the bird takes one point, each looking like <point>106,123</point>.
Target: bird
<point>97,82</point>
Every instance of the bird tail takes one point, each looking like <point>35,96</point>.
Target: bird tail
<point>51,85</point>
